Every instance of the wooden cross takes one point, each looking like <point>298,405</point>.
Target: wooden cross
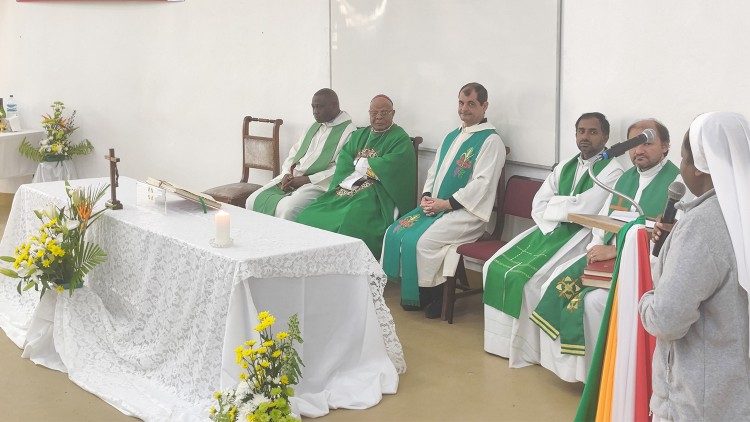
<point>114,176</point>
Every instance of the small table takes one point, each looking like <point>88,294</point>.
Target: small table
<point>12,163</point>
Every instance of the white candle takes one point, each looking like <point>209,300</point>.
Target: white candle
<point>222,227</point>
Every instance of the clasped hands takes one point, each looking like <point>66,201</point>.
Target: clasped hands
<point>290,183</point>
<point>605,252</point>
<point>432,206</point>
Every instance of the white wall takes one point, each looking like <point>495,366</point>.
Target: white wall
<point>668,59</point>
<point>167,84</point>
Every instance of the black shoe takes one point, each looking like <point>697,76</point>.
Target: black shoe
<point>434,310</point>
<point>410,308</point>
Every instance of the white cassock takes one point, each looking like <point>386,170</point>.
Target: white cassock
<point>436,249</point>
<point>506,336</point>
<point>574,368</point>
<point>291,205</point>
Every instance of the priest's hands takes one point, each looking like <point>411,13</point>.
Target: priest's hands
<point>432,206</point>
<point>601,253</point>
<point>290,183</point>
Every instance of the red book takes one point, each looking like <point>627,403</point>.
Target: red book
<point>600,268</point>
<point>595,281</point>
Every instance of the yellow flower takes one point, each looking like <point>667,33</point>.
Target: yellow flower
<point>243,376</point>
<point>262,350</point>
<point>265,363</point>
<point>263,315</point>
<point>268,343</point>
<point>269,321</point>
<point>59,288</point>
<point>276,354</point>
<point>282,335</point>
<point>212,410</point>
<point>217,395</point>
<point>250,343</point>
<point>39,253</point>
<point>243,365</point>
<point>284,380</point>
<point>46,263</point>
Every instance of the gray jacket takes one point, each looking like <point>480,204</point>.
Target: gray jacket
<point>698,314</point>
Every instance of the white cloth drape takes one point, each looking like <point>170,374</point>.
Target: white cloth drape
<point>720,145</point>
<point>54,171</point>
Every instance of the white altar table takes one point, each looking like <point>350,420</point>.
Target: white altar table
<point>153,331</point>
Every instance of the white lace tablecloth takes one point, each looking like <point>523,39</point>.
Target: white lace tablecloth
<point>153,332</point>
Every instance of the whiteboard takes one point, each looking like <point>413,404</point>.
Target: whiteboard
<point>420,53</point>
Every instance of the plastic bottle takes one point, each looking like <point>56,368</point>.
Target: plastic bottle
<point>12,106</point>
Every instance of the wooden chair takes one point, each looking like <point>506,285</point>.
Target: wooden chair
<point>258,152</point>
<point>515,199</point>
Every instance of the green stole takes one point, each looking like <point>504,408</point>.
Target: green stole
<point>267,200</point>
<point>508,273</point>
<point>400,253</point>
<point>560,312</point>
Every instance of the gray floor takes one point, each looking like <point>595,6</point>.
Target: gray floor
<point>449,378</point>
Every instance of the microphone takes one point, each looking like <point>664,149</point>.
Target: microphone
<point>675,193</point>
<point>618,149</point>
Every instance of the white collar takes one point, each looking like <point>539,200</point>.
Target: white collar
<point>341,118</point>
<point>477,127</point>
<point>589,161</point>
<point>653,170</point>
<point>381,131</point>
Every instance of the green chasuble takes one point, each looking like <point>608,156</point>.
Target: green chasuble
<point>560,311</point>
<point>400,256</point>
<point>267,200</point>
<point>366,211</point>
<point>509,272</point>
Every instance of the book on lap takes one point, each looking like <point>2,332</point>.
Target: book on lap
<point>594,281</point>
<point>600,268</point>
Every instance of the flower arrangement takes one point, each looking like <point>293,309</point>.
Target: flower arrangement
<point>270,368</point>
<point>58,256</point>
<point>56,146</point>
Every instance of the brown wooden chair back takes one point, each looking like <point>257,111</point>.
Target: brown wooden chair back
<point>260,152</point>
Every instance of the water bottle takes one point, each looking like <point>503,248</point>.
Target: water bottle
<point>12,106</point>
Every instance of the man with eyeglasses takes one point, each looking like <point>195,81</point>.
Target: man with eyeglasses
<point>306,173</point>
<point>457,200</point>
<point>373,183</point>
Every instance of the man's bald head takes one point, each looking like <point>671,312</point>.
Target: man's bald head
<point>381,113</point>
<point>325,105</point>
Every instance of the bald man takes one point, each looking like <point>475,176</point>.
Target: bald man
<point>306,173</point>
<point>373,183</point>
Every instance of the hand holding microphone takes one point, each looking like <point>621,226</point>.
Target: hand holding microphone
<point>674,194</point>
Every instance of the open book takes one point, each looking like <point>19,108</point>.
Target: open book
<point>184,193</point>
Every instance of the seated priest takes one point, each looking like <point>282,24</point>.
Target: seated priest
<point>513,277</point>
<point>307,171</point>
<point>569,314</point>
<point>457,200</point>
<point>373,183</point>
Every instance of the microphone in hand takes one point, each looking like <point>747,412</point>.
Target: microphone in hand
<point>674,194</point>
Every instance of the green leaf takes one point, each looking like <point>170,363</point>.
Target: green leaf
<point>8,273</point>
<point>7,259</point>
<point>29,285</point>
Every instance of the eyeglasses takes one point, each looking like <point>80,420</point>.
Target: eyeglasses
<point>384,113</point>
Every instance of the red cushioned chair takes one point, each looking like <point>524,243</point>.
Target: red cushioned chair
<point>515,199</point>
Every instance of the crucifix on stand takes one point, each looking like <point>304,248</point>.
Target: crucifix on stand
<point>114,176</point>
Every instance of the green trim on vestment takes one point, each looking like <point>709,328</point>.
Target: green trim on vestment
<point>561,310</point>
<point>508,273</point>
<point>366,211</point>
<point>267,201</point>
<point>400,255</point>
